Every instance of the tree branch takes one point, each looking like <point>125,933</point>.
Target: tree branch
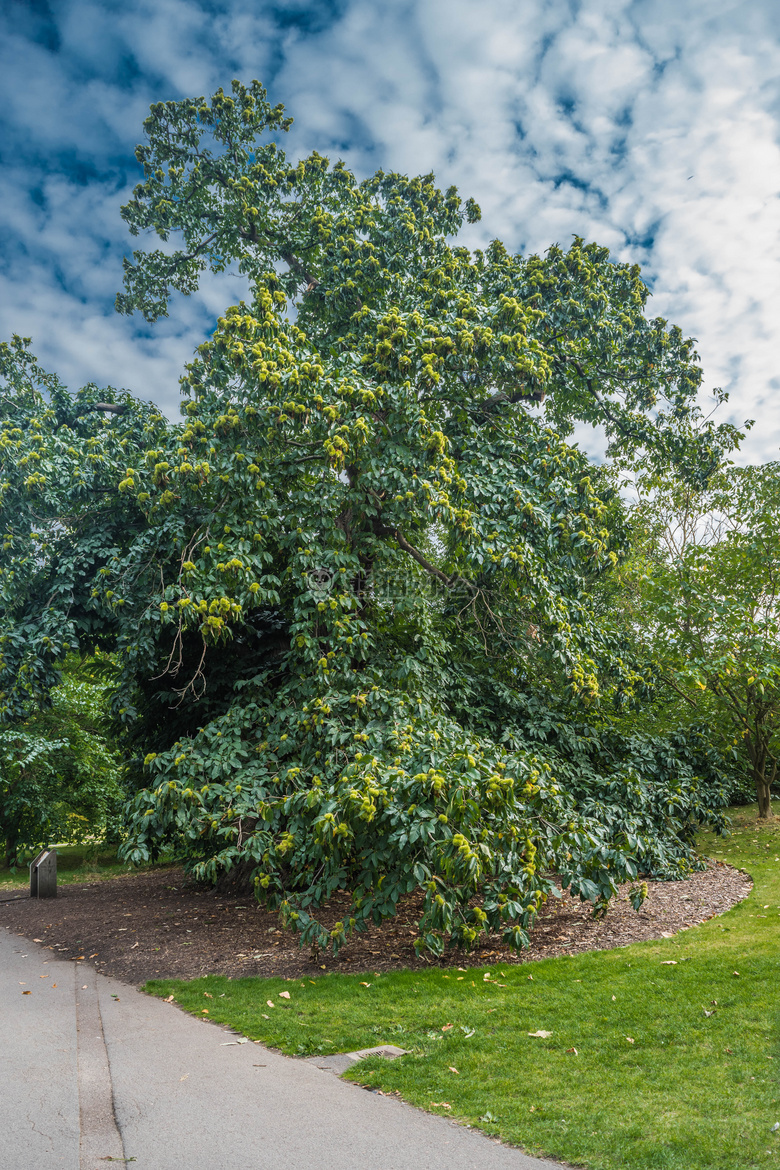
<point>517,396</point>
<point>426,564</point>
<point>300,270</point>
<point>105,407</point>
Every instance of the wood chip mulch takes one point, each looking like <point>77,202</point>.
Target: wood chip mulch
<point>160,925</point>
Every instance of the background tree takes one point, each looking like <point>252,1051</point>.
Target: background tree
<point>708,607</point>
<point>61,516</point>
<point>61,777</point>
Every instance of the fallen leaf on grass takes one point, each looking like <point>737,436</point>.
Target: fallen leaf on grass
<point>449,1066</point>
<point>169,999</point>
<point>208,995</point>
<point>669,963</point>
<point>573,1051</point>
<point>447,1027</point>
<point>441,1104</point>
<point>735,973</point>
<point>205,1011</point>
<point>285,994</point>
<point>365,984</point>
<point>630,1039</point>
<point>541,1033</point>
<point>708,1014</point>
<point>270,1003</point>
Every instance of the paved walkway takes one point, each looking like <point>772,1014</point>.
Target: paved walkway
<point>94,1071</point>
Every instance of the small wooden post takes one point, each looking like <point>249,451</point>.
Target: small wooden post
<point>43,875</point>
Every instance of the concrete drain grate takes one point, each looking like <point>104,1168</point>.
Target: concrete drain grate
<point>339,1062</point>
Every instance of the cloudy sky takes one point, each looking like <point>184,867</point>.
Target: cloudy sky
<point>651,127</point>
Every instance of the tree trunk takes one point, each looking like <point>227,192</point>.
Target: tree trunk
<point>764,793</point>
<point>757,754</point>
<point>11,846</point>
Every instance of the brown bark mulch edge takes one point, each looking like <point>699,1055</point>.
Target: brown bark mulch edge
<point>160,925</point>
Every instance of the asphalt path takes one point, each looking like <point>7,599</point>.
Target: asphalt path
<point>93,1072</point>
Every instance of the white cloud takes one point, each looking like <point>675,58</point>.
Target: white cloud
<point>560,118</point>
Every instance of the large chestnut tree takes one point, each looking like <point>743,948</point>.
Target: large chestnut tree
<point>330,588</point>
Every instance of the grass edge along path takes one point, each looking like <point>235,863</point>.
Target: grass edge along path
<point>660,1055</point>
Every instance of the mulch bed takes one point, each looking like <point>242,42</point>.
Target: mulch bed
<point>160,925</point>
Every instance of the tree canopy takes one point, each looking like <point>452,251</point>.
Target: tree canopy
<point>332,588</point>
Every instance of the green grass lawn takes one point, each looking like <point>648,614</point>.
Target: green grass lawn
<point>654,1081</point>
<point>75,863</point>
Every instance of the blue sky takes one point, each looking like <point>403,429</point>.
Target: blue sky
<point>651,127</point>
